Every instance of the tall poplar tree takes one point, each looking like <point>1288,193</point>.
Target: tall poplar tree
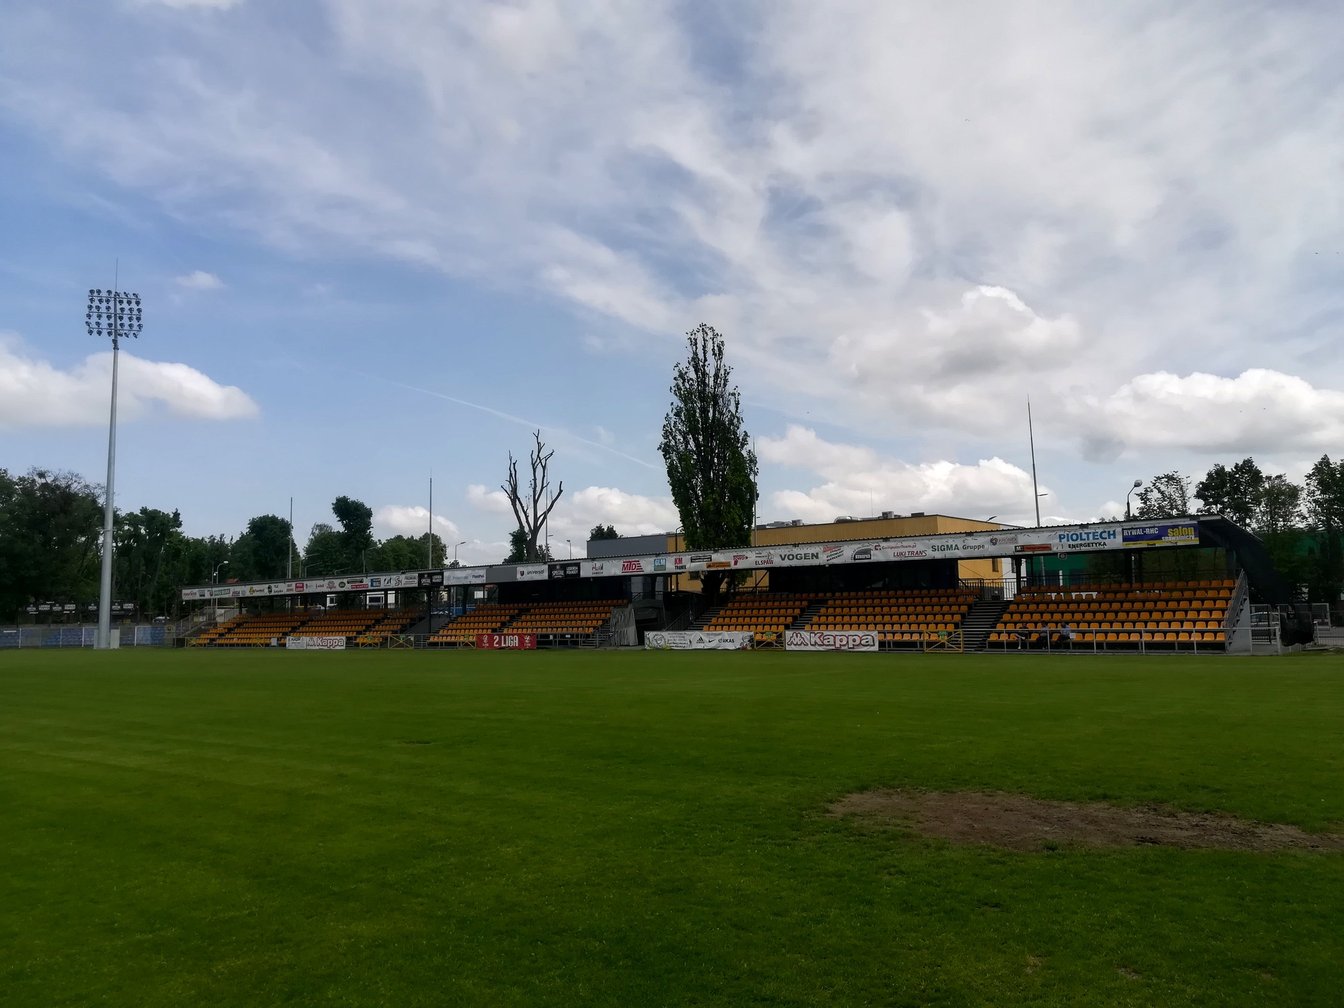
<point>711,469</point>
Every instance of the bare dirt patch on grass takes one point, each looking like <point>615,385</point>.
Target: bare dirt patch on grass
<point>1019,822</point>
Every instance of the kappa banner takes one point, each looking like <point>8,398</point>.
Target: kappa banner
<point>506,641</point>
<point>835,640</point>
<point>315,643</point>
<point>697,640</point>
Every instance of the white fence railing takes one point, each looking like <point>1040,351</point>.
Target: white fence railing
<point>139,635</point>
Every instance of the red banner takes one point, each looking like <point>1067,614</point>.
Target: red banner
<point>507,641</point>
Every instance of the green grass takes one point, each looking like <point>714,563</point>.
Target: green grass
<point>637,829</point>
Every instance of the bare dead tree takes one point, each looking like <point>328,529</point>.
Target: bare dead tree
<point>532,511</point>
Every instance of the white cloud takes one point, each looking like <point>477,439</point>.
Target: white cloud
<point>1258,412</point>
<point>412,520</point>
<point>492,501</point>
<point>199,280</point>
<point>632,514</point>
<point>36,393</point>
<point>883,235</point>
<point>859,482</point>
<point>578,511</point>
<point>192,4</point>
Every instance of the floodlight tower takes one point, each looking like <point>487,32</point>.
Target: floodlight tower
<point>115,314</point>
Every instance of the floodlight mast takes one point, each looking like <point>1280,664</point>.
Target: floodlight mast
<point>115,314</point>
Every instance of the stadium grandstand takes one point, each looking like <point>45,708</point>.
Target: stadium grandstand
<point>891,583</point>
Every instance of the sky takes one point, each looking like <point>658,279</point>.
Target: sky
<point>381,243</point>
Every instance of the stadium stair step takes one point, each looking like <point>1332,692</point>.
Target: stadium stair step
<point>979,622</point>
<point>809,612</point>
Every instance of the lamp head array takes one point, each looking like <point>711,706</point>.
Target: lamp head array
<point>113,313</point>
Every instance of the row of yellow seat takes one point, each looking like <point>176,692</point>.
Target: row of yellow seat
<point>1121,637</point>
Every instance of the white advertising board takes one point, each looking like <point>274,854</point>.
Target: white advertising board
<point>834,640</point>
<point>697,640</point>
<point>315,643</point>
<point>464,575</point>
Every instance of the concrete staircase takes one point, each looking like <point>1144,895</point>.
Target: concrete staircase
<point>983,617</point>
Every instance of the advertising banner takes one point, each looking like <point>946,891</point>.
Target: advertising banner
<point>1063,539</point>
<point>1088,539</point>
<point>697,640</point>
<point>809,555</point>
<point>913,549</point>
<point>315,643</point>
<point>837,640</point>
<point>1162,534</point>
<point>464,575</point>
<point>506,641</point>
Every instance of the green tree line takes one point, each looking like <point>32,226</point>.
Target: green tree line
<point>1301,525</point>
<point>51,534</point>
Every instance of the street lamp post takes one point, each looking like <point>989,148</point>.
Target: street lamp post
<point>455,545</point>
<point>115,314</point>
<point>570,544</point>
<point>214,599</point>
<point>1137,484</point>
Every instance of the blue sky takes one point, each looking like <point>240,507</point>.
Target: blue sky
<point>380,241</point>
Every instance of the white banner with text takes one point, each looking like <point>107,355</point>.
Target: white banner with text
<point>697,640</point>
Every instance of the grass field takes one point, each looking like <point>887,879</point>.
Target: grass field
<point>405,828</point>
